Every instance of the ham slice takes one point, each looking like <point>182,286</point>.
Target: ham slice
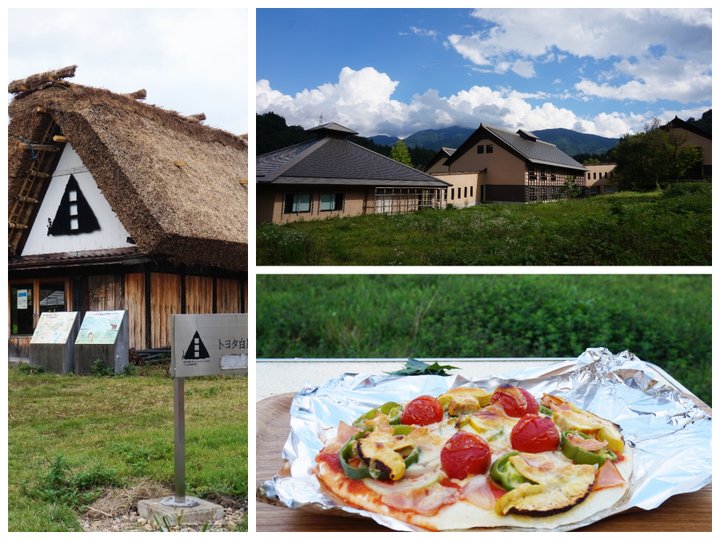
<point>345,431</point>
<point>608,476</point>
<point>591,445</point>
<point>423,501</point>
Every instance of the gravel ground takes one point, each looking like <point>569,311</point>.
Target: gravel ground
<point>116,511</point>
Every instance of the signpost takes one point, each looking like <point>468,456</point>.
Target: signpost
<point>201,345</point>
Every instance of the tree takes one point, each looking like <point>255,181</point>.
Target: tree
<point>652,159</point>
<point>401,153</point>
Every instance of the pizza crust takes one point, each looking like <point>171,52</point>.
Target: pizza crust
<point>462,515</point>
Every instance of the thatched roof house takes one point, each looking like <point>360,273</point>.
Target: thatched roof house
<point>178,187</point>
<point>117,204</point>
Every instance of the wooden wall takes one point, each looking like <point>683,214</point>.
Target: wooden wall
<point>150,298</point>
<point>135,304</point>
<point>165,300</point>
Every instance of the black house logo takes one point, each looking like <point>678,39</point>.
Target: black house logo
<point>196,350</point>
<point>74,215</point>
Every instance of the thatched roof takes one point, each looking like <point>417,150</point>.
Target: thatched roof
<point>177,186</point>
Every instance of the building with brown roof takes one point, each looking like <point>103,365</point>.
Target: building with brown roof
<point>689,134</point>
<point>117,204</point>
<point>332,176</point>
<point>498,165</point>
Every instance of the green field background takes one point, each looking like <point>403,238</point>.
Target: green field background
<point>664,319</point>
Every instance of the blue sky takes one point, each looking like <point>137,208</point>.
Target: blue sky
<point>396,71</point>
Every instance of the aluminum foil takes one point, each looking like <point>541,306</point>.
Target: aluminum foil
<point>669,428</point>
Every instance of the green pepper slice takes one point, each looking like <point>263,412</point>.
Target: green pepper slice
<point>580,455</point>
<point>348,451</point>
<point>505,474</point>
<point>390,409</point>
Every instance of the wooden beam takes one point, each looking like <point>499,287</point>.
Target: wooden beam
<point>35,81</point>
<point>23,198</point>
<point>40,147</point>
<point>138,94</point>
<point>59,138</point>
<point>20,226</point>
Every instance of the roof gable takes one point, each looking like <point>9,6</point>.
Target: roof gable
<point>523,144</point>
<point>177,186</point>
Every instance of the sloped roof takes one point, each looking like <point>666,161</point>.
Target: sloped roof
<point>177,186</point>
<point>522,143</point>
<point>677,123</point>
<point>337,161</point>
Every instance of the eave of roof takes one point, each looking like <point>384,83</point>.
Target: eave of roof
<point>340,162</point>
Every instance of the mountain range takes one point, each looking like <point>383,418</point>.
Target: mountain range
<point>569,141</point>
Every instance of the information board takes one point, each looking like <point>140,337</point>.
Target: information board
<point>215,344</point>
<point>54,327</point>
<point>100,328</point>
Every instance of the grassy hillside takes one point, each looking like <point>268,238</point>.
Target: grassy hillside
<point>664,319</point>
<point>669,228</point>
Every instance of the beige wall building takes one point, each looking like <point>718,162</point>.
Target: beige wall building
<point>334,177</point>
<point>598,179</point>
<point>692,135</point>
<point>498,165</point>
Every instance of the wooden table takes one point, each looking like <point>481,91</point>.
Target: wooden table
<point>687,512</point>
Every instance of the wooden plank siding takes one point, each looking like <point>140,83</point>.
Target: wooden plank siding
<point>106,292</point>
<point>165,300</point>
<point>198,294</point>
<point>228,296</point>
<point>135,304</point>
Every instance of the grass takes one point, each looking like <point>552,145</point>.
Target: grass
<point>664,319</point>
<point>70,437</point>
<point>660,228</point>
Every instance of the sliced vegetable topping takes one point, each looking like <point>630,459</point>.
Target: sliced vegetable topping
<point>505,474</point>
<point>583,449</point>
<point>390,409</point>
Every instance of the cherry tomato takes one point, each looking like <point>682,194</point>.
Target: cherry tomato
<point>422,411</point>
<point>534,434</point>
<point>515,401</point>
<point>465,454</point>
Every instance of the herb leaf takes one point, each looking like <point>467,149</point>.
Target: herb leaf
<point>417,367</point>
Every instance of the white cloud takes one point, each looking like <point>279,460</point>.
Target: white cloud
<point>517,41</point>
<point>189,60</point>
<point>424,32</point>
<point>362,100</point>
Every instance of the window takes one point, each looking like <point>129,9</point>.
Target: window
<point>480,149</point>
<point>297,203</point>
<point>21,309</point>
<point>28,300</point>
<point>471,191</point>
<point>489,149</point>
<point>331,201</point>
<point>465,192</point>
<point>452,194</point>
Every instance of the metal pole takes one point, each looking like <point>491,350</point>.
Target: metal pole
<point>179,411</point>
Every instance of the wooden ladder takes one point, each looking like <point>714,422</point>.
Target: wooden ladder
<point>21,206</point>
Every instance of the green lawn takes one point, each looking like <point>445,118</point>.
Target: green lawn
<point>664,319</point>
<point>659,228</point>
<point>71,436</point>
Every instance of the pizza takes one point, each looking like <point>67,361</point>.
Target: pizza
<point>473,458</point>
